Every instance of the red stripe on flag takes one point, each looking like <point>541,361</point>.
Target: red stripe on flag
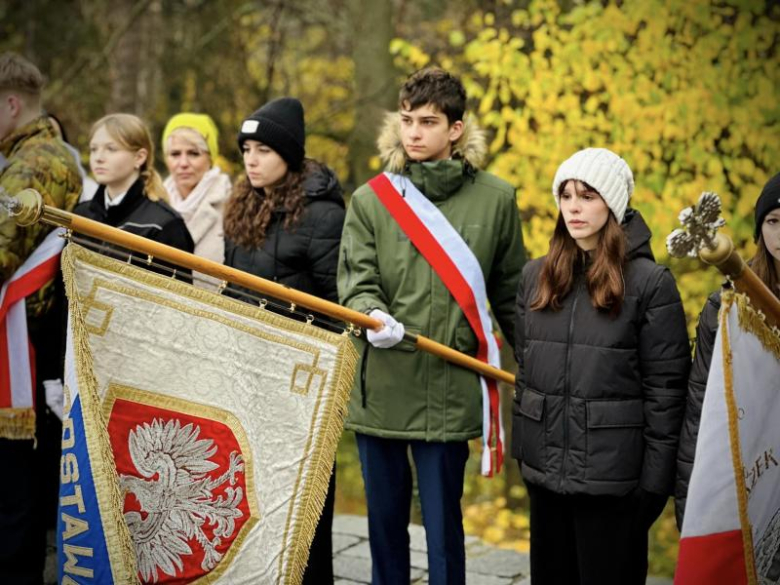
<point>29,283</point>
<point>713,559</point>
<point>5,368</point>
<point>443,265</point>
<point>495,413</point>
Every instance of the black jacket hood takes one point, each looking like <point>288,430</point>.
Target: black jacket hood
<point>637,235</point>
<point>321,184</point>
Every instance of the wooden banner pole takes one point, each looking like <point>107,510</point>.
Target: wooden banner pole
<point>724,257</point>
<point>27,208</point>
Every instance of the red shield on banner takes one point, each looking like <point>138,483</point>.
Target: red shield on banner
<point>187,483</point>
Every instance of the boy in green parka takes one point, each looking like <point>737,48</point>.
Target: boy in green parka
<point>405,399</point>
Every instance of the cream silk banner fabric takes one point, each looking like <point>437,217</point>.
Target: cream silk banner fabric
<point>731,530</point>
<point>223,421</point>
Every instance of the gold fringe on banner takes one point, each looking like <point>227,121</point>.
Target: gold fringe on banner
<point>17,423</point>
<point>729,298</point>
<point>101,457</point>
<point>317,487</point>
<point>755,322</point>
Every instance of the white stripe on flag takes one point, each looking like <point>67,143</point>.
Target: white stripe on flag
<point>70,378</point>
<point>51,245</point>
<point>19,356</point>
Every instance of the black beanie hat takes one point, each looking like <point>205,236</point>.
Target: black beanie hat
<point>278,124</point>
<point>769,200</point>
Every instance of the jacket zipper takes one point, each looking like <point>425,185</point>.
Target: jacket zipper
<point>567,389</point>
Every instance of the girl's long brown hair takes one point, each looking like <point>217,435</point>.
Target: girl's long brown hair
<point>249,210</point>
<point>764,266</point>
<point>604,276</point>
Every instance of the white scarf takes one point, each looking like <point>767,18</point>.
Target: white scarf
<point>213,181</point>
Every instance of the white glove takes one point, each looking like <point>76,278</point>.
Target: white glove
<point>55,399</point>
<point>391,334</point>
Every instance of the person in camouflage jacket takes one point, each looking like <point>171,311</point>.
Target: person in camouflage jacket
<point>32,157</point>
<point>36,159</point>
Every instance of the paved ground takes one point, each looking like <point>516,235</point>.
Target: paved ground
<point>485,564</point>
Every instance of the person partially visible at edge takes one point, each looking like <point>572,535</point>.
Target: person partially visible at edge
<point>766,264</point>
<point>603,358</point>
<point>34,158</point>
<point>131,196</point>
<point>283,223</point>
<point>404,399</point>
<point>197,187</point>
<point>88,185</point>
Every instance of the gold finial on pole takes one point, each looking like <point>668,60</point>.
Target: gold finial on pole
<point>699,237</point>
<point>26,207</point>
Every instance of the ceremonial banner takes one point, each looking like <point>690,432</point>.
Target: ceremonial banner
<point>731,529</point>
<point>200,431</point>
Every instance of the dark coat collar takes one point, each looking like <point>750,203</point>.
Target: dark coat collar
<point>134,198</point>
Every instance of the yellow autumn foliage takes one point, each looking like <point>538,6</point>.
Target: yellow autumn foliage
<point>687,92</point>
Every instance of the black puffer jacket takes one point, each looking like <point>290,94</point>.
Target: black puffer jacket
<point>599,400</point>
<point>139,215</point>
<point>305,256</point>
<point>697,383</point>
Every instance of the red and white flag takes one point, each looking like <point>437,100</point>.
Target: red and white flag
<point>457,266</point>
<point>731,530</point>
<point>17,359</point>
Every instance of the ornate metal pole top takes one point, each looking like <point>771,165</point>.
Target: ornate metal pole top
<point>26,207</point>
<point>700,226</point>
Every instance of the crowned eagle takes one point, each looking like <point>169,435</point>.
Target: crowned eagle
<point>176,496</point>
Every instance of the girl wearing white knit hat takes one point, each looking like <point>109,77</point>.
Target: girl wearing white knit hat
<point>603,358</point>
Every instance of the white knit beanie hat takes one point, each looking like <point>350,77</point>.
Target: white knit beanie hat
<point>603,170</point>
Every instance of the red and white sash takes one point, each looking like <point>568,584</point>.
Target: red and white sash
<point>457,266</point>
<point>17,360</point>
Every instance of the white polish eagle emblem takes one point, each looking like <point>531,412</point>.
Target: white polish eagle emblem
<point>176,497</point>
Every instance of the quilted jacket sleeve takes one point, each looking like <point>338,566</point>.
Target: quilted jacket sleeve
<point>507,266</point>
<point>519,344</point>
<point>697,383</point>
<point>323,250</point>
<point>664,358</point>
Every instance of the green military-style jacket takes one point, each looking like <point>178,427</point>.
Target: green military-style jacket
<point>402,392</point>
<point>35,158</point>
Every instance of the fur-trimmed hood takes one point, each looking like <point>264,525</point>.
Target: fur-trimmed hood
<point>471,146</point>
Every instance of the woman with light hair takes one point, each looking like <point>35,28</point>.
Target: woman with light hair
<point>197,188</point>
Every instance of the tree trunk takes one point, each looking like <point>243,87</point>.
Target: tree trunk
<point>149,86</point>
<point>376,86</point>
<point>135,61</point>
<point>123,62</point>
